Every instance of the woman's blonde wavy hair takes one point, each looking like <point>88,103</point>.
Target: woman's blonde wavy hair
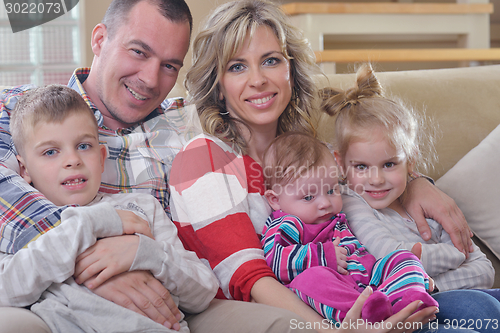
<point>364,107</point>
<point>222,36</point>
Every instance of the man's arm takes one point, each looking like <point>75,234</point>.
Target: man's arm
<point>424,200</point>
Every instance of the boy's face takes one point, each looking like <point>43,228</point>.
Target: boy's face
<point>314,198</point>
<point>64,160</point>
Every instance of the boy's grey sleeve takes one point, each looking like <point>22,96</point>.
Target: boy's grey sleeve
<point>24,276</point>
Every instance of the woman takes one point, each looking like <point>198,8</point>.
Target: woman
<point>251,80</point>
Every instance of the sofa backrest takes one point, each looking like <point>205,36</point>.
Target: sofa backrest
<point>464,103</point>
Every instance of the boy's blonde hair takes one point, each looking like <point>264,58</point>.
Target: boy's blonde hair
<point>364,107</point>
<point>52,103</point>
<point>290,156</point>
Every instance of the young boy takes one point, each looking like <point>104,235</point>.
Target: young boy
<point>308,244</point>
<point>55,134</point>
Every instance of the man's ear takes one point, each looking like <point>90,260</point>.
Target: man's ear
<point>99,35</point>
<point>273,199</point>
<point>23,171</point>
<point>104,155</point>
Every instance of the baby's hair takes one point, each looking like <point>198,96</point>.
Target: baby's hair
<point>290,155</point>
<point>52,103</point>
<point>363,107</point>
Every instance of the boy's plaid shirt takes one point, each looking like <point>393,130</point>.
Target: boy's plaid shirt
<point>139,160</point>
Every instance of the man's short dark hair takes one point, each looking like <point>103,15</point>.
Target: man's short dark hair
<point>176,11</point>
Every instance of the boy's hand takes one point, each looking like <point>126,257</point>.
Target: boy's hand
<point>106,258</point>
<point>341,254</point>
<point>134,224</point>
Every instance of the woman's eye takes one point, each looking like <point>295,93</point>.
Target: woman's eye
<point>236,68</point>
<point>271,61</point>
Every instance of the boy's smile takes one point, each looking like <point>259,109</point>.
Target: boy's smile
<point>64,160</point>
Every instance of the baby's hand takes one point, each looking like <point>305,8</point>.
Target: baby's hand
<point>341,254</point>
<point>134,224</point>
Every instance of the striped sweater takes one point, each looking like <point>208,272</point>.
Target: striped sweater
<point>218,207</point>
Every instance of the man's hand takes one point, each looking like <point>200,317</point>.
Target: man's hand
<point>424,200</point>
<point>140,292</point>
<point>106,258</point>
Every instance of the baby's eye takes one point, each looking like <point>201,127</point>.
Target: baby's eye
<point>331,191</point>
<point>389,164</point>
<point>308,197</point>
<point>361,167</point>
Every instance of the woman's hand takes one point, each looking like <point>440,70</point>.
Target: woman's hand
<point>140,292</point>
<point>403,321</point>
<point>134,224</point>
<point>425,200</point>
<point>341,254</point>
<point>106,258</point>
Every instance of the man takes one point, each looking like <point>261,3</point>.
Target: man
<point>139,48</point>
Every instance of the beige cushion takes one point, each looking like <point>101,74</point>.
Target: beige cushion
<point>474,183</point>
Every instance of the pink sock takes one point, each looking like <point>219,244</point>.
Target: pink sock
<point>413,295</point>
<point>377,308</point>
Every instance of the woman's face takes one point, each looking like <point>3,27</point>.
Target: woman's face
<point>256,84</point>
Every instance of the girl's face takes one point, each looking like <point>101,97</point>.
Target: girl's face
<point>376,170</point>
<point>257,84</point>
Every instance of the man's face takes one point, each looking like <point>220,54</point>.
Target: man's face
<point>136,67</point>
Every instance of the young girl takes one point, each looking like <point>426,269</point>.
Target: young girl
<point>378,145</point>
<point>308,244</point>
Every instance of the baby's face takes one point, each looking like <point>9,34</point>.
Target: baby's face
<point>64,160</point>
<point>315,197</point>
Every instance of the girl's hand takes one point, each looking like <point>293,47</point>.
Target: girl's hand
<point>134,224</point>
<point>403,321</point>
<point>341,254</point>
<point>106,258</point>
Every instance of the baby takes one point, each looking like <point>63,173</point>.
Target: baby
<point>308,244</point>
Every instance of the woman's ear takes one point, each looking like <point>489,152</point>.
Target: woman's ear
<point>23,171</point>
<point>273,199</point>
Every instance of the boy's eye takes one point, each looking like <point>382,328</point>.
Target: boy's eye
<point>84,146</point>
<point>50,152</point>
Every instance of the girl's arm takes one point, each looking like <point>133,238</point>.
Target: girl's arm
<point>285,252</point>
<point>51,258</point>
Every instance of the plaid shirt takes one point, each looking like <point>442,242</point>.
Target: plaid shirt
<point>139,160</point>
